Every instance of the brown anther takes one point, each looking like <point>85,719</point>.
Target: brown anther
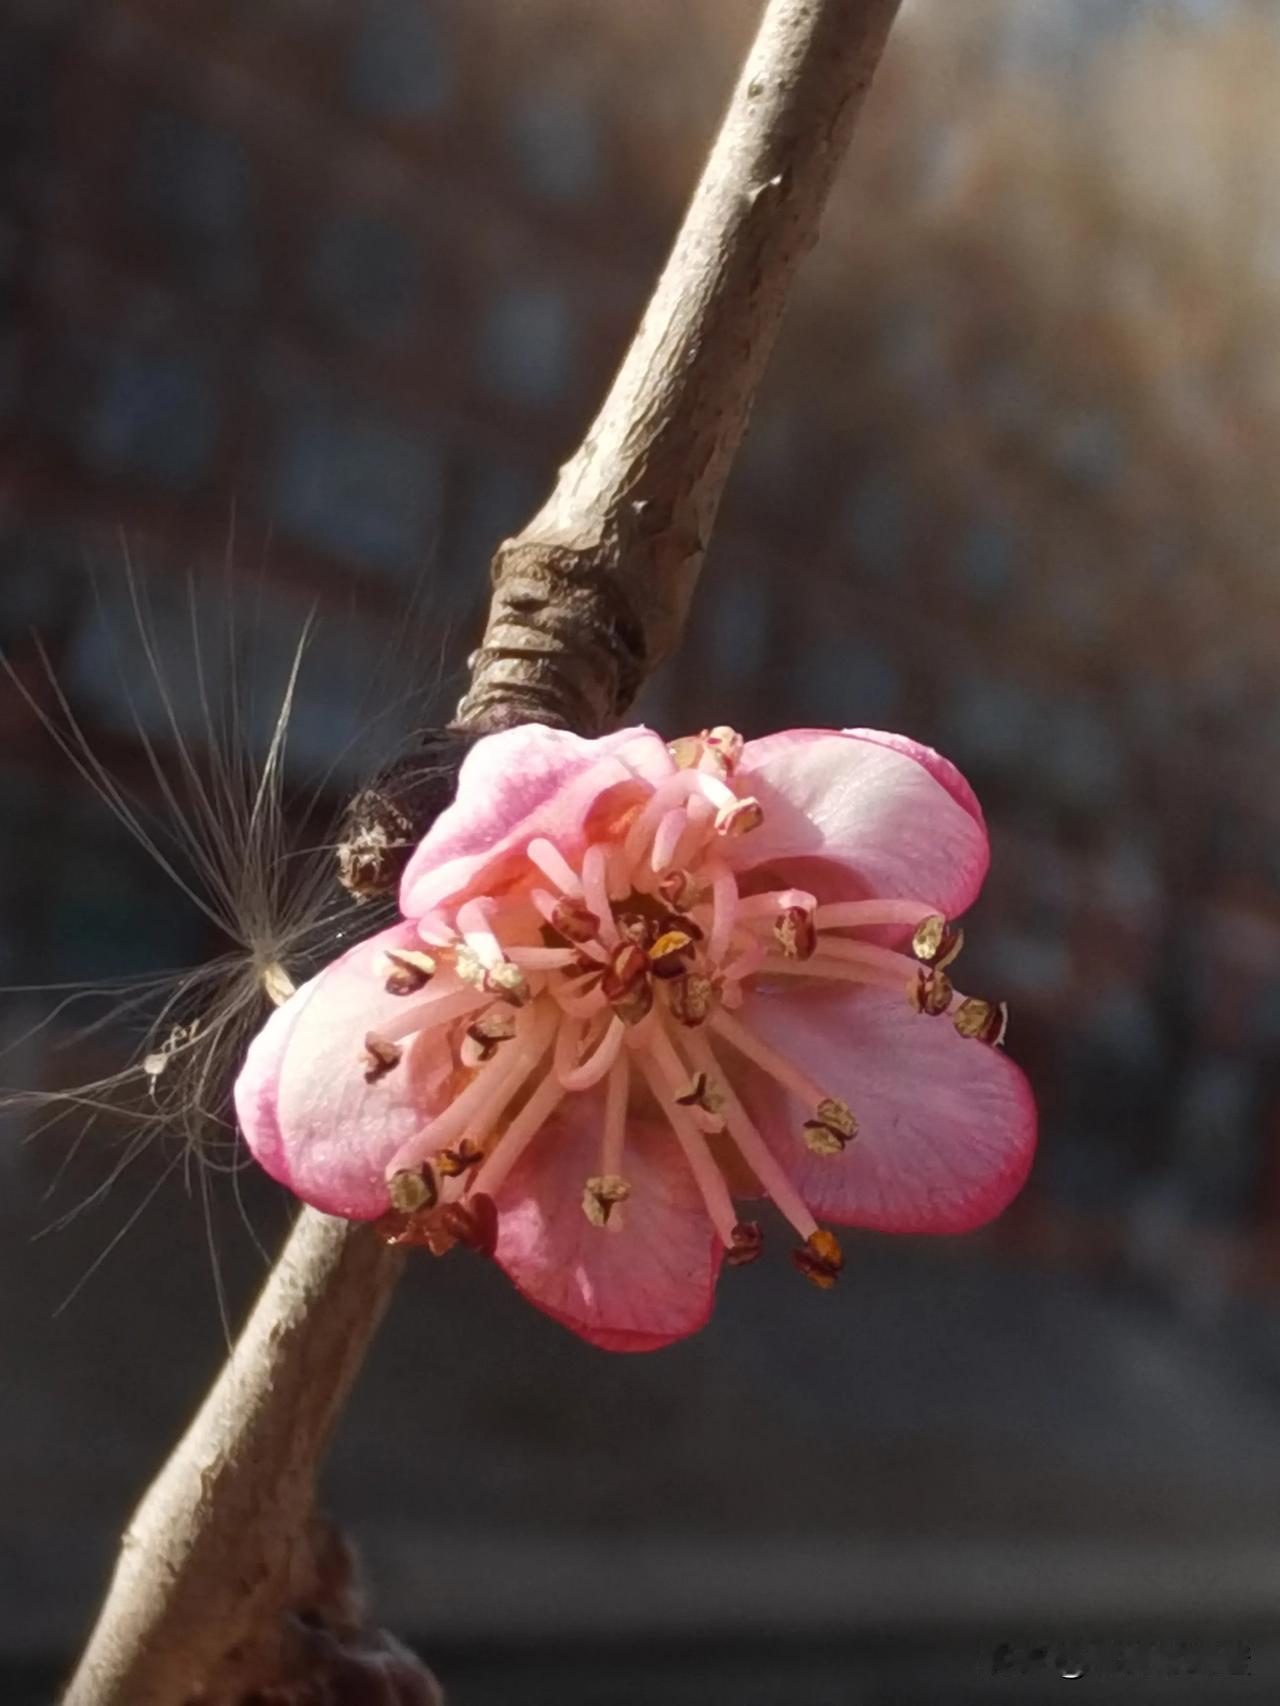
<point>931,992</point>
<point>831,1128</point>
<point>668,957</point>
<point>936,942</point>
<point>636,1004</point>
<point>508,983</point>
<point>574,920</point>
<point>395,1227</point>
<point>413,1188</point>
<point>740,818</point>
<point>692,998</point>
<point>726,743</point>
<point>748,1241</point>
<point>451,1163</point>
<point>686,751</point>
<point>473,1222</point>
<point>635,927</point>
<point>504,980</point>
<point>408,971</point>
<point>675,888</point>
<point>484,1036</point>
<point>987,1021</point>
<point>468,967</point>
<point>626,969</point>
<point>819,1259</point>
<point>601,1195</point>
<point>417,1229</point>
<point>795,933</point>
<point>380,1057</point>
<point>703,1094</point>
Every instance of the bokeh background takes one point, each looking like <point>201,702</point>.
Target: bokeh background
<point>301,304</point>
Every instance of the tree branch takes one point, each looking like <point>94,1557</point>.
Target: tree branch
<point>226,1580</point>
<point>224,1539</point>
<point>593,593</point>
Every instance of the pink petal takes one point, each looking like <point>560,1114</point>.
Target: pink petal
<point>304,1107</point>
<point>514,785</point>
<point>635,1287</point>
<point>946,1125</point>
<point>895,816</point>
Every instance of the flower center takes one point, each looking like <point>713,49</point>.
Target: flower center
<point>624,963</point>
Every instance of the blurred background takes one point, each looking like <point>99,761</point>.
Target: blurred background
<point>301,304</point>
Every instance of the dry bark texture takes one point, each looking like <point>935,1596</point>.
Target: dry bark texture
<point>593,593</point>
<point>229,1590</point>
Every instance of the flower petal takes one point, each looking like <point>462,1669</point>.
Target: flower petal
<point>301,1098</point>
<point>514,785</point>
<point>634,1286</point>
<point>896,816</point>
<point>946,1125</point>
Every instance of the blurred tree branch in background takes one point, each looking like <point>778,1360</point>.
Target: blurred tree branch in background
<point>228,1588</point>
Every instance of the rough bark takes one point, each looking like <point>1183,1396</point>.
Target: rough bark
<point>594,591</point>
<point>228,1587</point>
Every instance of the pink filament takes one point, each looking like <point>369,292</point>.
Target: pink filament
<point>519,1134</point>
<point>724,903</point>
<point>598,1062</point>
<point>776,1065</point>
<point>542,959</point>
<point>595,885</point>
<point>667,839</point>
<point>869,954</point>
<point>476,928</point>
<point>579,1001</point>
<point>666,795</point>
<point>568,1041</point>
<point>481,1102</point>
<point>752,1147</point>
<point>435,1011</point>
<point>776,901</point>
<point>553,865</point>
<point>614,1137</point>
<point>707,1176</point>
<point>701,817</point>
<point>843,914</point>
<point>836,971</point>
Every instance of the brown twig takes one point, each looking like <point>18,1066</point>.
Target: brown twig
<point>225,1575</point>
<point>593,593</point>
<point>224,1540</point>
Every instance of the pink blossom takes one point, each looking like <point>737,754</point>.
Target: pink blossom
<point>635,982</point>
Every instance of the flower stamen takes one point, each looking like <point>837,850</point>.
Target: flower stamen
<point>600,1197</point>
<point>931,992</point>
<point>820,1259</point>
<point>516,1139</point>
<point>598,1062</point>
<point>407,971</point>
<point>707,1176</point>
<point>752,1147</point>
<point>748,1242</point>
<point>554,866</point>
<point>380,1055</point>
<point>481,1103</point>
<point>987,1021</point>
<point>935,942</point>
<point>474,1223</point>
<point>484,1036</point>
<point>413,1189</point>
<point>831,1129</point>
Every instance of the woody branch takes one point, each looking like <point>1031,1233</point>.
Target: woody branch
<point>225,1573</point>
